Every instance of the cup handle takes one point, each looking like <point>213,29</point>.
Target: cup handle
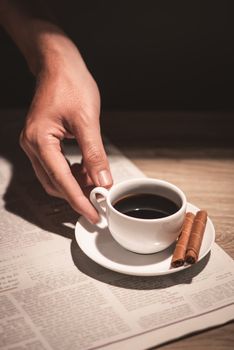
<point>93,198</point>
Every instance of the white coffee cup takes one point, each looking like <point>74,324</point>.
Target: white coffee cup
<point>138,235</point>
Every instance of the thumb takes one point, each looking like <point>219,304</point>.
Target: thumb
<point>94,155</point>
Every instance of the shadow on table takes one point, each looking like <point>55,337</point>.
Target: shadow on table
<point>51,215</point>
<point>24,195</point>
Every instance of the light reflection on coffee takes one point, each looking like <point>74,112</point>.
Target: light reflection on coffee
<point>145,206</point>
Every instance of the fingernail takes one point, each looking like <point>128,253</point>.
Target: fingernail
<point>104,178</point>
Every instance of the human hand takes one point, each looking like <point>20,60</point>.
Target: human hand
<point>66,104</point>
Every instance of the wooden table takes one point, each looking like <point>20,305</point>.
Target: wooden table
<point>207,178</point>
<point>194,151</point>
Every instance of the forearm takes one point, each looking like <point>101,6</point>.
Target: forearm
<point>35,32</point>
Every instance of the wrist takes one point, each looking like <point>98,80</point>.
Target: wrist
<point>51,49</point>
<point>44,45</point>
<point>31,29</point>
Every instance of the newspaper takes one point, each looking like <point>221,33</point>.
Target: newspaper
<point>52,296</point>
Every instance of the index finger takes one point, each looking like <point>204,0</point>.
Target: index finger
<point>61,176</point>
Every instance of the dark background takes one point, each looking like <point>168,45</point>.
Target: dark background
<point>144,54</point>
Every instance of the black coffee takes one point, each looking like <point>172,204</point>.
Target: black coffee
<point>146,206</point>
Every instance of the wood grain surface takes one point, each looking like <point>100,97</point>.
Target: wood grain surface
<point>194,150</point>
<point>206,175</point>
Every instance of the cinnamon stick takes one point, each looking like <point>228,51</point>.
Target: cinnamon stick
<point>196,236</point>
<point>178,257</point>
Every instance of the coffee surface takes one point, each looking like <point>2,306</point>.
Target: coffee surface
<point>146,206</point>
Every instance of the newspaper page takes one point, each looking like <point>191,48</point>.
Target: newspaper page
<point>52,296</point>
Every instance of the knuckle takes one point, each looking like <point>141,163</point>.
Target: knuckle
<point>25,141</point>
<point>28,134</point>
<point>94,156</point>
<point>49,189</point>
<point>28,137</point>
<point>32,135</point>
<point>54,176</point>
<point>51,192</point>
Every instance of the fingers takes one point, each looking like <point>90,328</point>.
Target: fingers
<point>95,160</point>
<point>41,174</point>
<point>44,178</point>
<point>55,175</point>
<point>82,177</point>
<point>59,172</point>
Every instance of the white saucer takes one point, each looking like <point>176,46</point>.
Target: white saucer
<point>99,246</point>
